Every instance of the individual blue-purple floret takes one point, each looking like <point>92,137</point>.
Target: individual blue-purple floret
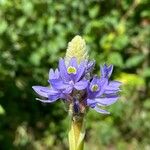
<point>101,91</point>
<point>71,76</point>
<point>49,93</point>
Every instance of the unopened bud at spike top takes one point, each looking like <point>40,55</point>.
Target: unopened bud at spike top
<point>77,48</point>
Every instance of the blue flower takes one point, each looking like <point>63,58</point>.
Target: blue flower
<point>50,93</point>
<point>71,76</point>
<point>101,91</point>
<point>80,89</point>
<point>74,83</point>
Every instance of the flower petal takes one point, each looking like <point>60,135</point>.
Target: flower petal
<point>80,71</point>
<point>91,103</point>
<point>54,97</point>
<point>102,84</point>
<point>81,85</point>
<point>57,74</point>
<point>51,74</point>
<point>63,70</point>
<point>45,101</point>
<point>112,91</point>
<point>68,90</point>
<point>73,62</point>
<point>94,81</point>
<point>106,101</point>
<point>58,84</point>
<point>41,90</point>
<point>106,71</point>
<point>113,85</point>
<point>109,70</point>
<point>99,110</point>
<point>90,66</point>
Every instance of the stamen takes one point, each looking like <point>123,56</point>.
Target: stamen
<point>71,70</point>
<point>95,88</point>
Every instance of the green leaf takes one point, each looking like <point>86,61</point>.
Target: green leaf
<point>106,41</point>
<point>146,103</point>
<point>132,80</point>
<point>146,72</point>
<point>3,26</point>
<point>120,42</point>
<point>115,59</point>
<point>145,13</point>
<point>134,61</point>
<point>2,110</point>
<point>93,12</point>
<point>27,7</point>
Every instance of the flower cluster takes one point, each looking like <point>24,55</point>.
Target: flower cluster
<point>74,83</point>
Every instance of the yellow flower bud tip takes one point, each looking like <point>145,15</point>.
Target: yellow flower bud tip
<point>77,48</point>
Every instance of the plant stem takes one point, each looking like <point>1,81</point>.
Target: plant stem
<point>76,133</point>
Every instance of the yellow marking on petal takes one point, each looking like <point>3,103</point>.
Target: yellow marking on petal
<point>95,88</point>
<point>71,70</point>
<point>77,48</point>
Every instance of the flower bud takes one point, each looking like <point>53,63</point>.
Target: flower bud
<point>77,48</point>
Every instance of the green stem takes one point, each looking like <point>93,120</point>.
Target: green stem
<point>76,134</point>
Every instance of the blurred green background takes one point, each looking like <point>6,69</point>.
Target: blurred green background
<point>34,35</point>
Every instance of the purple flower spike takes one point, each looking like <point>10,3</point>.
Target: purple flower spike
<point>76,85</point>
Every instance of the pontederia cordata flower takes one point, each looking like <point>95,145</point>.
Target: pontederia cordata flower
<point>101,91</point>
<point>74,83</point>
<point>70,82</point>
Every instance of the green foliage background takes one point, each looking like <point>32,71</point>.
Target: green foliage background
<point>35,33</point>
